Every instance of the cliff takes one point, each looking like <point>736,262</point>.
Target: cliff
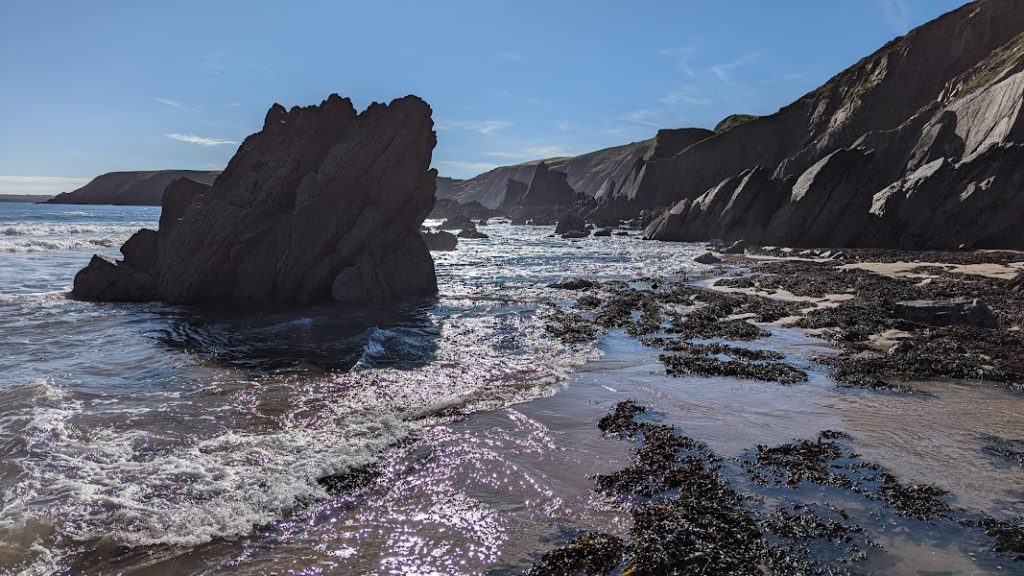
<point>126,188</point>
<point>585,173</point>
<point>915,146</point>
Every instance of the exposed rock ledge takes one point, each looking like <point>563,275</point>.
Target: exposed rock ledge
<point>322,203</point>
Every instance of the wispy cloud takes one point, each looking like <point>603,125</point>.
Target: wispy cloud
<point>533,153</point>
<point>169,102</point>
<point>687,95</point>
<point>176,105</point>
<point>565,126</point>
<point>514,56</point>
<point>722,70</point>
<point>683,56</point>
<point>645,116</point>
<point>212,62</point>
<point>481,126</point>
<point>199,140</point>
<point>461,169</point>
<point>232,104</point>
<point>897,14</point>
<point>39,184</point>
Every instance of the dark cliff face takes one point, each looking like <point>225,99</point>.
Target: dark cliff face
<point>322,203</point>
<point>916,146</point>
<point>545,198</point>
<point>548,188</point>
<point>130,188</point>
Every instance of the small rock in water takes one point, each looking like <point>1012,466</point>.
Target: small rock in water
<point>707,258</point>
<point>737,247</point>
<point>440,241</point>
<point>472,233</point>
<point>457,222</point>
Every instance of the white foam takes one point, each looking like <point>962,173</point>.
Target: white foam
<point>100,482</point>
<point>32,237</point>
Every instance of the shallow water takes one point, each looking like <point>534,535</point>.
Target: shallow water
<point>152,439</point>
<point>127,427</point>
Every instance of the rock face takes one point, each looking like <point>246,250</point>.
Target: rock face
<point>707,258</point>
<point>457,222</point>
<point>446,208</point>
<point>127,188</point>
<point>547,196</point>
<point>570,222</point>
<point>322,203</point>
<point>547,188</point>
<point>440,241</point>
<point>585,173</point>
<point>917,146</point>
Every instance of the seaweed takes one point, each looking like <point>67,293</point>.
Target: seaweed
<point>592,554</point>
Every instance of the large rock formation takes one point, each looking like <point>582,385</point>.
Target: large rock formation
<point>614,200</point>
<point>919,145</point>
<point>322,203</point>
<point>548,195</point>
<point>126,188</point>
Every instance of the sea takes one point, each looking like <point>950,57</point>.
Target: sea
<point>157,439</point>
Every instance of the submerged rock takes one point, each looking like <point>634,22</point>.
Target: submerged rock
<point>576,234</point>
<point>322,203</point>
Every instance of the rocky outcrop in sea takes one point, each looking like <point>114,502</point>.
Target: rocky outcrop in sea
<point>323,203</point>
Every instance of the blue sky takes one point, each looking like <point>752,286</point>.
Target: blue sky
<point>92,87</point>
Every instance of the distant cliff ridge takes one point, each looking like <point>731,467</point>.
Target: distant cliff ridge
<point>131,188</point>
<point>586,173</point>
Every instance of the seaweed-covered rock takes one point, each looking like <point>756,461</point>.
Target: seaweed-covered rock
<point>574,284</point>
<point>1009,535</point>
<point>703,365</point>
<point>592,554</point>
<point>958,311</point>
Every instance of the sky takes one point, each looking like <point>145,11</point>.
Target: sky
<point>99,86</point>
